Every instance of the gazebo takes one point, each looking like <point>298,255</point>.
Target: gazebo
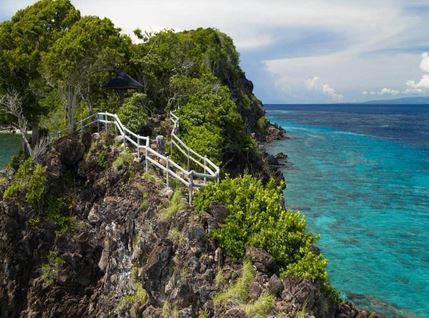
<point>120,83</point>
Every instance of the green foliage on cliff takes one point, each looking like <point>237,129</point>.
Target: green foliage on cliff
<point>52,268</point>
<point>258,218</point>
<point>134,113</point>
<point>36,186</point>
<point>239,291</point>
<point>209,120</point>
<point>20,180</point>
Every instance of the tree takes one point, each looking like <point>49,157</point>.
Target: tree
<point>77,61</point>
<point>23,40</point>
<point>11,104</point>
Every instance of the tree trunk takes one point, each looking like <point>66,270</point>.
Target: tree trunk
<point>35,133</point>
<point>71,108</point>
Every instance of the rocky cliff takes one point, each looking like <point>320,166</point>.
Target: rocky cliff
<point>107,239</point>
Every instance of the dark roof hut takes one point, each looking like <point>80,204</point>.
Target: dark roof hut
<point>120,83</point>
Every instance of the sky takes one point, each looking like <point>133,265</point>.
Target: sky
<point>306,51</point>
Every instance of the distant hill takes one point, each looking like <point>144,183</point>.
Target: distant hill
<point>404,100</point>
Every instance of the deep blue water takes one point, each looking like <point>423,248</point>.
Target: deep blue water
<point>360,175</point>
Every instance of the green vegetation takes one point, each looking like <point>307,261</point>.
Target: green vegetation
<point>175,204</point>
<point>102,160</point>
<point>260,307</point>
<point>134,113</point>
<point>238,292</point>
<point>139,296</point>
<point>124,159</point>
<point>55,213</point>
<point>302,312</point>
<point>20,180</point>
<point>210,122</point>
<point>52,268</point>
<point>257,217</point>
<point>169,310</point>
<point>36,186</point>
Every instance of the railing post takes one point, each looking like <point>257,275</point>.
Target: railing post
<point>168,175</point>
<point>188,159</point>
<point>205,169</point>
<point>138,148</point>
<point>98,122</point>
<point>191,186</point>
<point>146,156</point>
<point>105,122</point>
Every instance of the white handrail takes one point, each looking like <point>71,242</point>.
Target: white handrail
<point>190,178</point>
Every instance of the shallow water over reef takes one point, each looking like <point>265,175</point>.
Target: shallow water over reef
<point>9,146</point>
<point>360,174</point>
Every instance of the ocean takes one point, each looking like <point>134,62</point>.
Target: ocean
<point>10,144</point>
<point>360,175</point>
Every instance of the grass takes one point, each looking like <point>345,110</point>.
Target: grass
<point>139,296</point>
<point>52,268</point>
<point>260,307</point>
<point>302,312</point>
<point>3,180</point>
<point>175,205</point>
<point>149,176</point>
<point>219,278</point>
<point>125,158</point>
<point>169,311</point>
<point>176,236</point>
<point>238,292</point>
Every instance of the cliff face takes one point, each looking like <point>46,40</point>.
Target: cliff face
<point>109,240</point>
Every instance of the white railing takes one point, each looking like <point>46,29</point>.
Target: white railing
<point>192,179</point>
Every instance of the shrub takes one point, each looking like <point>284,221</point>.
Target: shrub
<point>36,186</point>
<point>257,217</point>
<point>102,159</point>
<point>20,180</point>
<point>133,113</point>
<point>52,268</point>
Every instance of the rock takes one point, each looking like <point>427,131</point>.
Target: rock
<point>255,291</point>
<point>281,156</point>
<point>70,150</point>
<point>275,285</point>
<point>219,257</point>
<point>195,232</point>
<point>235,313</point>
<point>218,211</point>
<point>93,215</point>
<point>95,136</point>
<point>262,260</point>
<point>118,139</point>
<point>272,160</point>
<point>167,192</point>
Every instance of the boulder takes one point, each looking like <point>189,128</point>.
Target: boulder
<point>219,212</point>
<point>262,260</point>
<point>70,150</point>
<point>275,285</point>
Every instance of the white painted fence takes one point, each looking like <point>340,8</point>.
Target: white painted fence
<point>192,179</point>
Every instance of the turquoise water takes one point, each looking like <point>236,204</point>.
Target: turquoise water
<point>9,145</point>
<point>366,191</point>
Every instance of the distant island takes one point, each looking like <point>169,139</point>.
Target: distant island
<point>403,100</point>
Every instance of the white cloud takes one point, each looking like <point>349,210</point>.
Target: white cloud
<point>424,64</point>
<point>383,91</point>
<point>316,84</point>
<point>418,87</point>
